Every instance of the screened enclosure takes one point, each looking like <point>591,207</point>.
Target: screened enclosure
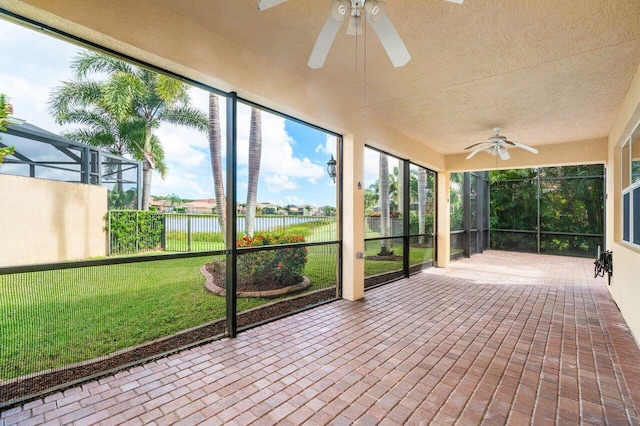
<point>551,210</point>
<point>39,153</point>
<point>469,213</point>
<point>400,211</point>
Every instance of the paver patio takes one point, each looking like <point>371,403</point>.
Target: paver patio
<point>501,338</point>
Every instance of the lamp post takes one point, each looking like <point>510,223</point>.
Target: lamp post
<point>331,168</point>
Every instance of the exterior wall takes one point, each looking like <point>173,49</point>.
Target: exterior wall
<point>49,221</point>
<point>625,282</point>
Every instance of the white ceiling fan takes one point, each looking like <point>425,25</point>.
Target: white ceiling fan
<point>497,145</point>
<point>374,12</point>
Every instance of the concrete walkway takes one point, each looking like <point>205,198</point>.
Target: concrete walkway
<point>501,338</point>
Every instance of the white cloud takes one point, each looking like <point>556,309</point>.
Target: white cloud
<point>330,146</point>
<point>277,154</point>
<point>179,148</point>
<point>279,183</point>
<point>184,184</point>
<point>293,200</point>
<point>371,166</point>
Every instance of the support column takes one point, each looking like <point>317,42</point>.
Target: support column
<point>352,217</point>
<point>443,220</point>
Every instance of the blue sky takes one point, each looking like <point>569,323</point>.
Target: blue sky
<point>294,156</point>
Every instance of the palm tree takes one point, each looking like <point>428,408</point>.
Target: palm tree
<point>103,129</point>
<point>385,219</point>
<point>255,151</point>
<point>215,147</point>
<point>371,196</point>
<point>174,200</point>
<point>399,187</point>
<point>422,200</point>
<point>130,94</point>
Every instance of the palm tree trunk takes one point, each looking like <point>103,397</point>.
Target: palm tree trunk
<point>119,184</point>
<point>384,205</point>
<point>255,151</point>
<point>215,147</point>
<point>422,201</point>
<point>147,175</point>
<point>400,189</point>
<point>148,164</point>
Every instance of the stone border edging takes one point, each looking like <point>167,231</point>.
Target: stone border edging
<point>266,294</point>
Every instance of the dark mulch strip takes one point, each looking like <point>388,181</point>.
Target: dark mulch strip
<point>19,390</point>
<point>374,280</point>
<point>385,277</point>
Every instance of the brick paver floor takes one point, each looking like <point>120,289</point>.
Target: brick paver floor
<point>500,338</point>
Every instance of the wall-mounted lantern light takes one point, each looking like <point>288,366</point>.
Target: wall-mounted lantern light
<point>331,168</point>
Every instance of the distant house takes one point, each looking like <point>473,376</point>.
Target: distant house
<point>207,206</point>
<point>295,211</point>
<point>307,210</point>
<point>161,206</point>
<point>268,208</point>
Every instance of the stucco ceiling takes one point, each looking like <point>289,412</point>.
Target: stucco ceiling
<point>547,71</point>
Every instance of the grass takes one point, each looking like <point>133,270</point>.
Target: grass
<point>55,318</point>
<point>316,231</point>
<point>374,267</point>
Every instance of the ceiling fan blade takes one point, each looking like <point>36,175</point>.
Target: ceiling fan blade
<point>477,150</point>
<point>527,147</point>
<point>504,154</point>
<point>391,41</point>
<point>323,43</point>
<point>266,4</point>
<point>455,1</point>
<point>509,142</point>
<point>476,144</point>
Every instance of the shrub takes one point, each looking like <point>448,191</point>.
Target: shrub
<point>277,266</point>
<point>133,231</point>
<point>206,237</point>
<point>270,268</point>
<point>414,223</point>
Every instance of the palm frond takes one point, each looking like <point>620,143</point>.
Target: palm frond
<point>171,90</point>
<point>120,93</point>
<point>86,63</point>
<point>186,116</point>
<point>71,95</point>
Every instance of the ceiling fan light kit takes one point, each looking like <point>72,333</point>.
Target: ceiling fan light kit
<point>339,9</point>
<point>375,9</point>
<point>497,145</point>
<point>374,12</point>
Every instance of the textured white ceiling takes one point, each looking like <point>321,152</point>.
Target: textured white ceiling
<point>547,71</point>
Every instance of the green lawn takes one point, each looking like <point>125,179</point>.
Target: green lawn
<point>375,267</point>
<point>55,318</point>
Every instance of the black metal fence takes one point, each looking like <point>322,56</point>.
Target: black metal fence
<point>133,232</point>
